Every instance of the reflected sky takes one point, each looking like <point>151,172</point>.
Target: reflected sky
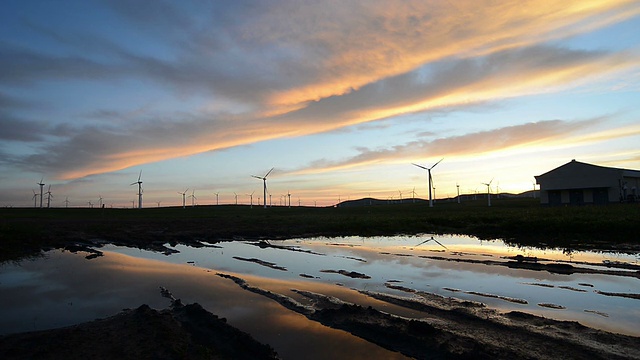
<point>65,288</point>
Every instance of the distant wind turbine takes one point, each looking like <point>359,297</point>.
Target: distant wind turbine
<point>430,178</point>
<point>100,200</point>
<point>488,191</point>
<point>35,199</point>
<point>183,197</point>
<point>236,195</point>
<point>251,196</point>
<point>216,194</point>
<point>458,186</point>
<point>264,182</point>
<point>49,196</point>
<point>139,182</point>
<point>193,197</point>
<point>91,204</point>
<point>289,195</point>
<point>41,190</point>
<point>66,202</point>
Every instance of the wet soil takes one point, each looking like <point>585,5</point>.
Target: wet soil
<point>453,328</point>
<point>181,332</point>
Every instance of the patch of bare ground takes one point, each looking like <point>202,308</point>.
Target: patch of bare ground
<point>453,328</point>
<point>261,262</point>
<point>181,332</point>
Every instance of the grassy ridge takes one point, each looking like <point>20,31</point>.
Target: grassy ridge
<point>520,221</point>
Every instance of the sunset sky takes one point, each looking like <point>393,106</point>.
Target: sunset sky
<point>340,97</point>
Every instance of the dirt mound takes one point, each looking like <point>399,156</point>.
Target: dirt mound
<point>182,332</point>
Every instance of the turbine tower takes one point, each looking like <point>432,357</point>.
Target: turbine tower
<point>41,190</point>
<point>430,179</point>
<point>488,191</point>
<point>139,182</point>
<point>183,196</point>
<point>264,182</point>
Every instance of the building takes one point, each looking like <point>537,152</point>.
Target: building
<point>578,183</point>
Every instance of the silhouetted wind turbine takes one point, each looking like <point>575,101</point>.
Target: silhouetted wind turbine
<point>35,198</point>
<point>49,196</point>
<point>289,195</point>
<point>139,182</point>
<point>100,201</point>
<point>193,197</point>
<point>430,179</point>
<point>488,191</point>
<point>41,190</point>
<point>236,195</point>
<point>66,202</point>
<point>216,194</point>
<point>183,197</point>
<point>251,196</point>
<point>458,186</point>
<point>264,182</point>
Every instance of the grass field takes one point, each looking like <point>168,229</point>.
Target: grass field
<point>518,221</point>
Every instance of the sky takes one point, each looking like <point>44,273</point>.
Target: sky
<point>338,97</point>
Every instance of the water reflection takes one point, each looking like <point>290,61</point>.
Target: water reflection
<point>401,259</point>
<point>64,288</point>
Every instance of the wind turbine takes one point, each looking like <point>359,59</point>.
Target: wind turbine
<point>488,191</point>
<point>91,204</point>
<point>66,202</point>
<point>183,196</point>
<point>289,194</point>
<point>430,179</point>
<point>49,196</point>
<point>100,200</point>
<point>193,197</point>
<point>251,196</point>
<point>458,186</point>
<point>264,183</point>
<point>216,194</point>
<point>41,190</point>
<point>236,195</point>
<point>139,182</point>
<point>35,198</point>
<point>413,194</point>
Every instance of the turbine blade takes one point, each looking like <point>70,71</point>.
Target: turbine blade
<point>140,175</point>
<point>434,165</point>
<point>268,173</point>
<point>420,166</point>
<point>257,177</point>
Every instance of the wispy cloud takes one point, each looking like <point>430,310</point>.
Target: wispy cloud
<point>298,68</point>
<point>468,145</point>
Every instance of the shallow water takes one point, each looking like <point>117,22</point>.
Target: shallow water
<point>63,288</point>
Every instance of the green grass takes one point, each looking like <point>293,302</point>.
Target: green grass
<point>518,221</point>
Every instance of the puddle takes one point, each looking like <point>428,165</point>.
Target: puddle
<point>64,288</point>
